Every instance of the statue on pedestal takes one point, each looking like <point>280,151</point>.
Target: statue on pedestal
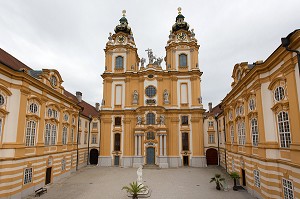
<point>162,120</point>
<point>135,97</point>
<point>139,173</point>
<point>139,120</point>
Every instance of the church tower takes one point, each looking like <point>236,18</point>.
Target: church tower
<point>152,114</point>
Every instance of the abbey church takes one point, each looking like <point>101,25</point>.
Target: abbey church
<point>152,115</point>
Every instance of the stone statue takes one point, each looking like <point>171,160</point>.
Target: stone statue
<point>139,173</point>
<point>150,56</point>
<point>110,38</point>
<point>162,120</point>
<point>166,97</point>
<point>159,60</point>
<point>139,120</point>
<point>143,60</point>
<point>135,97</point>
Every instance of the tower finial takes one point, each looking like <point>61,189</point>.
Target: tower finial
<point>124,13</point>
<point>179,10</point>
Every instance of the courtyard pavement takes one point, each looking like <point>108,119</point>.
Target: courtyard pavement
<point>94,182</point>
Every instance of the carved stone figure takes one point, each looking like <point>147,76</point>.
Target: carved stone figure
<point>162,120</point>
<point>150,56</point>
<point>159,60</point>
<point>139,173</point>
<point>166,97</point>
<point>143,60</point>
<point>135,97</point>
<point>139,120</point>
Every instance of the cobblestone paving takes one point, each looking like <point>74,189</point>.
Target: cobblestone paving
<point>106,182</point>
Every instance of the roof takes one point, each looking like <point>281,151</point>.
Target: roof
<point>87,108</point>
<point>215,111</point>
<point>11,61</point>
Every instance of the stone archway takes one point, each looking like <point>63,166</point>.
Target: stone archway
<point>212,156</point>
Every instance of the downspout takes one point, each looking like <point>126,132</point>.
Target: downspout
<point>216,118</point>
<point>225,142</point>
<point>88,158</point>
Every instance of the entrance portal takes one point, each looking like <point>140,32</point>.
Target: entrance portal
<point>185,160</point>
<point>150,155</point>
<point>244,177</point>
<point>48,175</point>
<point>212,156</point>
<point>117,160</point>
<point>94,156</point>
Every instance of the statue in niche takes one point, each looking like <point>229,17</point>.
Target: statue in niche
<point>162,120</point>
<point>135,97</point>
<point>139,120</point>
<point>166,97</point>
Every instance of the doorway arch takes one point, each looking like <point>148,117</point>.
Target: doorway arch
<point>150,155</point>
<point>212,156</point>
<point>94,156</point>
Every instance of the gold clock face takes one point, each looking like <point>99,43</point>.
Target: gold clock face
<point>181,36</point>
<point>121,39</point>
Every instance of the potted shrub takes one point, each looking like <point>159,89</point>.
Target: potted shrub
<point>218,179</point>
<point>134,189</point>
<point>235,176</point>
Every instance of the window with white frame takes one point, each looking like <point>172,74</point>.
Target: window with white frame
<point>230,115</point>
<point>50,134</point>
<point>254,131</point>
<point>66,117</point>
<point>232,134</point>
<point>33,108</point>
<point>182,60</point>
<point>27,175</point>
<point>79,138</point>
<point>237,111</point>
<point>63,164</point>
<point>95,125</point>
<point>256,178</point>
<point>94,139</point>
<point>30,133</point>
<point>241,133</point>
<point>64,135</point>
<point>252,105</point>
<point>288,190</point>
<point>241,110</point>
<point>220,138</point>
<point>49,112</point>
<point>210,123</point>
<point>150,118</point>
<point>232,166</point>
<point>119,62</point>
<point>279,93</point>
<point>211,138</point>
<point>55,113</point>
<point>284,129</point>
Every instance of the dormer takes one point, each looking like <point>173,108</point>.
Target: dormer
<point>52,78</point>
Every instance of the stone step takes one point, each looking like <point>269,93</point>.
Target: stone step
<point>151,167</point>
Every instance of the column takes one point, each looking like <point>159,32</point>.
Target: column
<point>136,145</point>
<point>139,145</point>
<point>165,145</point>
<point>160,145</point>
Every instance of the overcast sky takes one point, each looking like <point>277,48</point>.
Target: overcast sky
<point>70,35</point>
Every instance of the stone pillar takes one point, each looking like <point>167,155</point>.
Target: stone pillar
<point>139,145</point>
<point>165,145</point>
<point>136,145</point>
<point>160,145</point>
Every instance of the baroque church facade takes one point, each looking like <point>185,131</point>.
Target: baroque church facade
<point>152,115</point>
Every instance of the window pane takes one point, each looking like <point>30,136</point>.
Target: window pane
<point>119,62</point>
<point>117,141</point>
<point>182,60</point>
<point>185,141</point>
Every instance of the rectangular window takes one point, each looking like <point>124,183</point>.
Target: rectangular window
<point>254,131</point>
<point>210,124</point>
<point>117,141</point>
<point>94,139</point>
<point>220,138</point>
<point>27,175</point>
<point>79,138</point>
<point>64,135</point>
<point>211,138</point>
<point>182,60</point>
<point>95,125</point>
<point>150,136</point>
<point>30,133</point>
<point>284,129</point>
<point>185,141</point>
<point>85,138</point>
<point>118,95</point>
<point>184,93</point>
<point>232,166</point>
<point>288,189</point>
<point>63,164</point>
<point>241,133</point>
<point>117,121</point>
<point>256,178</point>
<point>72,135</point>
<point>185,120</point>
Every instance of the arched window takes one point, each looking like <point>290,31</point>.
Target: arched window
<point>254,131</point>
<point>284,129</point>
<point>150,118</point>
<point>252,104</point>
<point>117,142</point>
<point>64,135</point>
<point>182,60</point>
<point>50,134</point>
<point>33,108</point>
<point>30,133</point>
<point>279,93</point>
<point>119,62</point>
<point>2,100</point>
<point>53,135</point>
<point>241,133</point>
